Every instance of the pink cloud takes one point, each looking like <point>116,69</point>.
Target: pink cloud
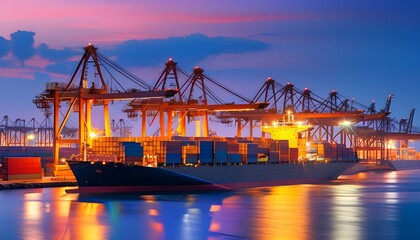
<point>74,23</point>
<point>17,73</point>
<point>28,73</point>
<point>38,62</point>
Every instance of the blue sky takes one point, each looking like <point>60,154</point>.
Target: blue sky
<point>363,49</point>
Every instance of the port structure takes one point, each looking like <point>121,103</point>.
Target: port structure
<point>177,94</point>
<point>20,132</point>
<point>195,101</point>
<point>335,119</point>
<point>32,133</point>
<point>80,95</point>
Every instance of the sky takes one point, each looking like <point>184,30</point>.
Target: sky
<point>364,49</point>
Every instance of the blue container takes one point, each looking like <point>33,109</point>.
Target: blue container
<point>220,156</point>
<point>173,158</point>
<point>205,152</point>
<point>251,158</point>
<point>133,149</point>
<point>191,158</point>
<point>220,152</point>
<point>273,157</point>
<point>234,158</point>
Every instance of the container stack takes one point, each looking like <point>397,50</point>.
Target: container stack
<point>251,153</point>
<point>233,152</point>
<point>283,146</point>
<point>262,142</point>
<point>220,152</point>
<point>274,157</point>
<point>340,151</point>
<point>274,154</point>
<point>190,154</point>
<point>152,152</point>
<point>18,168</point>
<point>133,152</point>
<point>205,149</point>
<point>294,154</point>
<point>109,146</point>
<point>324,150</point>
<point>172,152</point>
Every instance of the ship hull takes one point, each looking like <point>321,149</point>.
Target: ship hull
<point>115,177</point>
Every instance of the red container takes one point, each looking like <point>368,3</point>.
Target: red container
<point>21,168</point>
<point>22,165</point>
<point>294,154</point>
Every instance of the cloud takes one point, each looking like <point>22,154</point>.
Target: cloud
<point>55,54</point>
<point>188,50</point>
<point>25,59</point>
<point>22,45</point>
<point>4,47</point>
<point>20,58</point>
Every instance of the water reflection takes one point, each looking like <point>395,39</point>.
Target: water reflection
<point>363,206</point>
<point>271,213</point>
<point>347,212</point>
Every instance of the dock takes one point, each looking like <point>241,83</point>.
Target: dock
<point>37,183</point>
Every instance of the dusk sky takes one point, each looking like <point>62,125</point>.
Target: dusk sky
<point>364,49</point>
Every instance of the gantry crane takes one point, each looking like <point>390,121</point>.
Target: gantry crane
<point>184,105</point>
<point>82,93</point>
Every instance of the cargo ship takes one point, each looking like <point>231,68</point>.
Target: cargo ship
<point>184,164</point>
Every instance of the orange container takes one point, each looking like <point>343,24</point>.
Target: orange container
<point>22,165</point>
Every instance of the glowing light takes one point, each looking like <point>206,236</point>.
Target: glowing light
<point>153,212</point>
<point>391,144</point>
<point>215,208</point>
<point>93,135</point>
<point>391,197</point>
<point>391,177</point>
<point>30,136</point>
<point>345,123</point>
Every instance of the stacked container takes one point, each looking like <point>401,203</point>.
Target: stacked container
<point>324,149</point>
<point>274,154</point>
<point>133,152</point>
<point>294,154</point>
<point>190,154</point>
<point>273,157</point>
<point>172,152</point>
<point>233,152</point>
<point>109,146</point>
<point>205,149</point>
<point>252,153</point>
<point>17,168</point>
<point>220,152</point>
<point>283,146</point>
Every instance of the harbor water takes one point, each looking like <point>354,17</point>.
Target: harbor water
<point>370,205</point>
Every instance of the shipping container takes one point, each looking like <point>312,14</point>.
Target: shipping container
<point>15,168</point>
<point>173,158</point>
<point>190,154</point>
<point>206,152</point>
<point>274,157</point>
<point>293,154</point>
<point>220,152</point>
<point>234,158</point>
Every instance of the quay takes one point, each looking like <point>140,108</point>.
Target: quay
<point>37,183</point>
